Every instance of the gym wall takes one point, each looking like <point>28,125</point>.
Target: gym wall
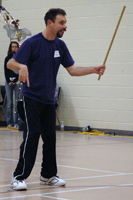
<point>105,104</point>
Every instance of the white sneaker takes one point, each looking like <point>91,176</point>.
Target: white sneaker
<point>18,184</point>
<point>16,126</point>
<point>55,180</point>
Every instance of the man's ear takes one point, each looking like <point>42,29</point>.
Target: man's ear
<point>49,22</point>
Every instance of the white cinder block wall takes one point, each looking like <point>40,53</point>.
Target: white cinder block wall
<point>108,103</point>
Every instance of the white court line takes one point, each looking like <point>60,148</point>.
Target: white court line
<point>52,197</point>
<point>67,191</point>
<point>86,169</point>
<point>95,170</point>
<point>91,188</point>
<point>101,176</point>
<point>8,159</point>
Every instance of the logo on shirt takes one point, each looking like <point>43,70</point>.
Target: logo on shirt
<point>56,54</point>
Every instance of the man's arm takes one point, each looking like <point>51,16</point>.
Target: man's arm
<point>81,71</point>
<point>23,70</point>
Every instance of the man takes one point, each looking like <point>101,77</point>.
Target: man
<point>38,60</point>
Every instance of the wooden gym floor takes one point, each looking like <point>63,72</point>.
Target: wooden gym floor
<point>94,167</point>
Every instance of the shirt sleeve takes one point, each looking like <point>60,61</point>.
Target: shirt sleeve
<point>10,76</point>
<point>67,59</point>
<point>24,52</point>
<point>6,70</point>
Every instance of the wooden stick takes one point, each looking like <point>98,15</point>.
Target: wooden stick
<point>113,38</point>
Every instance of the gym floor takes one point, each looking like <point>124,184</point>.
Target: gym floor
<point>94,167</point>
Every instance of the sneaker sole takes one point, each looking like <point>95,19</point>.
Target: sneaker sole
<point>42,183</point>
<point>18,189</point>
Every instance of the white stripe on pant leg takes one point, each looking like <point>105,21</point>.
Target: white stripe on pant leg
<point>26,138</point>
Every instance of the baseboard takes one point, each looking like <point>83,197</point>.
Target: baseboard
<point>106,131</point>
<point>72,128</point>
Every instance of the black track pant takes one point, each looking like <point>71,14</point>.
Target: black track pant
<point>39,120</point>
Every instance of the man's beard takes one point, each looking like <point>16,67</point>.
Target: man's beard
<point>59,35</point>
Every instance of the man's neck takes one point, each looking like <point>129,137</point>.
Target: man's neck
<point>48,35</point>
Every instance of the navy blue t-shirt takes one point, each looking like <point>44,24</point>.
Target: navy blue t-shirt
<point>43,58</point>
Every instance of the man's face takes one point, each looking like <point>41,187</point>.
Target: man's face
<point>59,26</point>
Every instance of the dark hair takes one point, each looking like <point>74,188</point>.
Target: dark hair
<point>51,14</point>
<point>10,47</point>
